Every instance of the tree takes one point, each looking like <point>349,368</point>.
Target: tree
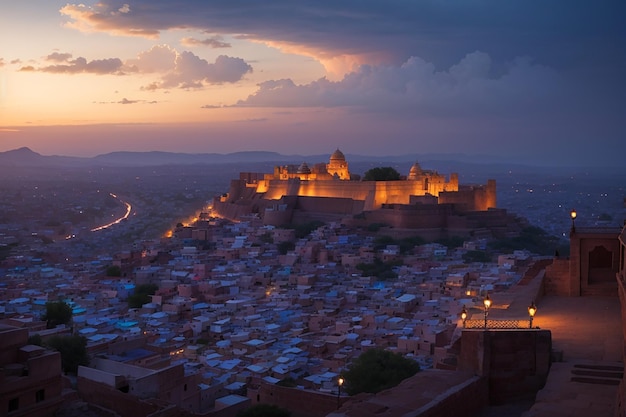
<point>476,256</point>
<point>381,174</point>
<point>141,295</point>
<point>531,238</point>
<point>286,246</point>
<point>264,410</point>
<point>377,370</point>
<point>57,312</point>
<point>73,350</point>
<point>379,269</point>
<point>114,271</point>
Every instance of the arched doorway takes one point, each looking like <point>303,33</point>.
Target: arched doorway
<point>600,266</point>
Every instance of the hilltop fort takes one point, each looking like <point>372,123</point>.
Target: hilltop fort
<point>293,194</point>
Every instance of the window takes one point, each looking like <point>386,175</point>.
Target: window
<point>14,404</point>
<point>40,395</point>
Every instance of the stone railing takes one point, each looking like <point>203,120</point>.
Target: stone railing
<point>496,324</point>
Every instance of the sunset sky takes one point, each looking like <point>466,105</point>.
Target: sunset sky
<point>532,81</point>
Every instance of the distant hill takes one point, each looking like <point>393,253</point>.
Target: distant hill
<point>176,158</point>
<point>444,163</point>
<point>28,158</point>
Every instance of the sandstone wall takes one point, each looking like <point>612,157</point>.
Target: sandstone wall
<point>516,362</point>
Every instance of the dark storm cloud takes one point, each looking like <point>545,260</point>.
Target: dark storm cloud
<point>557,33</point>
<point>466,88</point>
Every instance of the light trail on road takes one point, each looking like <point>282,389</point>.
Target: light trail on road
<point>129,208</point>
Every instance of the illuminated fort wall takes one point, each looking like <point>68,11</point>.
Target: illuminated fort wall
<point>373,193</point>
<point>325,190</point>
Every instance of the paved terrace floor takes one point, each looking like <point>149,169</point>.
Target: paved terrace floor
<point>587,335</point>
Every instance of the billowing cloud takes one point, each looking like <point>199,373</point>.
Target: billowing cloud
<point>212,42</point>
<point>175,70</point>
<point>102,18</point>
<point>468,87</point>
<point>158,59</point>
<point>64,64</point>
<point>59,57</point>
<point>559,33</point>
<point>81,65</point>
<point>192,71</point>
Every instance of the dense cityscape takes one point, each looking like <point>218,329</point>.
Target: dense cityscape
<point>312,209</point>
<point>156,280</point>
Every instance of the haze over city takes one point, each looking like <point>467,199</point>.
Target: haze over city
<point>519,81</point>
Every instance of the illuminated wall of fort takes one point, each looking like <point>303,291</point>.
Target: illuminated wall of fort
<point>326,189</point>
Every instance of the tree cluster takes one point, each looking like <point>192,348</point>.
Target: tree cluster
<point>381,174</point>
<point>57,313</point>
<point>141,295</point>
<point>376,370</point>
<point>73,350</point>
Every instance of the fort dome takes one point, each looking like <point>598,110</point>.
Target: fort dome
<point>337,156</point>
<point>416,170</point>
<point>304,168</point>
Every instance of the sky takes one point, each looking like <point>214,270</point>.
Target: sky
<point>534,81</point>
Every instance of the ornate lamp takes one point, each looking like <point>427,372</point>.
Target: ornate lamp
<point>532,310</point>
<point>464,315</point>
<point>487,303</point>
<point>573,215</point>
<point>339,384</point>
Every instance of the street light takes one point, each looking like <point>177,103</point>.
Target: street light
<point>573,215</point>
<point>487,303</point>
<point>339,384</point>
<point>464,315</point>
<point>532,309</point>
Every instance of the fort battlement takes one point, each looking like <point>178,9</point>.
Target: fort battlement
<point>295,193</point>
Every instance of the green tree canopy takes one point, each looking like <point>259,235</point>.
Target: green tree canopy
<point>476,256</point>
<point>286,246</point>
<point>57,312</point>
<point>141,295</point>
<point>264,410</point>
<point>377,370</point>
<point>381,174</point>
<point>114,271</point>
<point>531,238</point>
<point>379,269</point>
<point>73,350</point>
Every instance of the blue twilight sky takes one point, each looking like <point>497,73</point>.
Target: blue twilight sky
<point>540,82</point>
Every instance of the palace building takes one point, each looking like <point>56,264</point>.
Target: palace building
<point>328,191</point>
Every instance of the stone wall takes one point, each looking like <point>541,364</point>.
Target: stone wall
<point>112,399</point>
<point>301,403</point>
<point>557,280</point>
<point>516,362</point>
<point>620,403</point>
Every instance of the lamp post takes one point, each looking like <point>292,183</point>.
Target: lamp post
<point>573,215</point>
<point>532,309</point>
<point>464,316</point>
<point>487,303</point>
<point>339,384</point>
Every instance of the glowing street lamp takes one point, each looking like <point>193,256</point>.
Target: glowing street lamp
<point>464,315</point>
<point>532,310</point>
<point>339,384</point>
<point>573,215</point>
<point>487,303</point>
